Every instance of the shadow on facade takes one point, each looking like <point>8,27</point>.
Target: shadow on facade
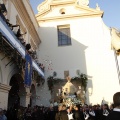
<point>64,58</point>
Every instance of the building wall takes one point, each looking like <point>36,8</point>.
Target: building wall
<point>6,72</point>
<point>90,53</point>
<point>3,99</point>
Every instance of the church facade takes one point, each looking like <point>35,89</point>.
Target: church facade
<point>75,38</point>
<point>68,37</point>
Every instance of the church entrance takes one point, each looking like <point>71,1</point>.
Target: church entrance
<point>17,92</point>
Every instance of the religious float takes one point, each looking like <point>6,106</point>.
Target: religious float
<point>68,93</point>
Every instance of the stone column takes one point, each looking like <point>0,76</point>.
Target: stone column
<point>25,98</point>
<point>28,95</point>
<point>4,90</point>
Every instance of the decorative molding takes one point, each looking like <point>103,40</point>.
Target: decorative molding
<point>28,95</point>
<point>4,88</point>
<point>20,7</point>
<point>47,6</point>
<point>83,2</point>
<point>44,5</point>
<point>69,17</point>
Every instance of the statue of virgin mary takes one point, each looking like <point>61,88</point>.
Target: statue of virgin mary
<point>69,88</point>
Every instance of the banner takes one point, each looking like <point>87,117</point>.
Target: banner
<point>28,70</point>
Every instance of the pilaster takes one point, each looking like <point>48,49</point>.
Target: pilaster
<point>4,90</point>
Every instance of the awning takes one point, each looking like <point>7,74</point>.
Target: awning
<point>8,33</point>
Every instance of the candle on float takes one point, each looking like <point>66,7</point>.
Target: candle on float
<point>63,88</point>
<point>59,90</point>
<point>79,87</point>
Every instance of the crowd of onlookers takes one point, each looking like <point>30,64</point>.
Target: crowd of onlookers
<point>76,112</point>
<point>61,112</point>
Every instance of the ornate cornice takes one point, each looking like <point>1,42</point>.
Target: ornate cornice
<point>4,88</point>
<point>47,6</point>
<point>28,94</point>
<point>69,17</point>
<point>20,7</point>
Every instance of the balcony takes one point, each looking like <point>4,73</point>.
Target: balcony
<point>11,45</point>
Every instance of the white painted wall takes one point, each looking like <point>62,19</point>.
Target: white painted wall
<point>90,52</point>
<point>43,95</point>
<point>7,72</point>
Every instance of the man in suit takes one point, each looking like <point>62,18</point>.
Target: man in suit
<point>115,114</point>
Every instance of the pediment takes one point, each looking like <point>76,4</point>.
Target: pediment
<point>69,9</point>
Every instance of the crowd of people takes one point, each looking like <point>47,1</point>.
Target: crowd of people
<point>61,112</point>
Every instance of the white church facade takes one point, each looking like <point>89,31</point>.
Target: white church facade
<point>74,37</point>
<point>66,36</point>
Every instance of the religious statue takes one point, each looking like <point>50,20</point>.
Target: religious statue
<point>68,88</point>
<point>69,93</point>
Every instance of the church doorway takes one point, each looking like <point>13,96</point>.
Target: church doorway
<point>17,92</point>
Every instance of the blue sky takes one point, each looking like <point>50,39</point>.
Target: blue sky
<point>111,10</point>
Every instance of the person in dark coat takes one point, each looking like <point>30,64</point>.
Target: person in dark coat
<point>35,115</point>
<point>27,115</point>
<point>105,112</point>
<point>70,113</point>
<point>115,114</point>
<point>51,114</point>
<point>92,113</point>
<point>77,113</point>
<point>57,116</point>
<point>63,113</point>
